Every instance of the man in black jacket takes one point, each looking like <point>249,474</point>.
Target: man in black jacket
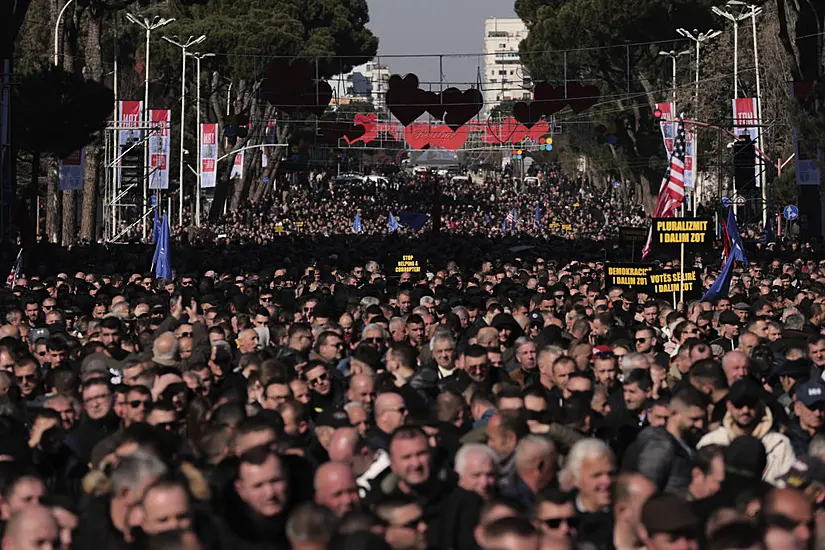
<point>665,454</point>
<point>451,513</point>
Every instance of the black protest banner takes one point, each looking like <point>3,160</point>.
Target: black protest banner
<point>633,234</point>
<point>665,282</point>
<point>397,264</point>
<point>670,233</point>
<point>627,275</point>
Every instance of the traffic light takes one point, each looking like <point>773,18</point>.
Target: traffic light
<point>744,162</point>
<point>131,163</point>
<point>657,116</point>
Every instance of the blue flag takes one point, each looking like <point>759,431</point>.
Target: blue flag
<point>538,215</point>
<point>163,267</point>
<point>416,220</point>
<point>486,218</point>
<point>156,227</point>
<point>356,224</point>
<point>504,226</point>
<point>393,224</point>
<point>721,286</point>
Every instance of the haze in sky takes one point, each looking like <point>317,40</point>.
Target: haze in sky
<point>409,27</point>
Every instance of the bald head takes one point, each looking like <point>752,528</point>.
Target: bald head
<point>362,390</point>
<point>247,341</point>
<point>32,528</point>
<point>342,445</point>
<point>9,330</point>
<point>487,337</point>
<point>165,347</point>
<point>335,488</point>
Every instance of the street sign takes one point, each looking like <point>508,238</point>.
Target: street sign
<point>739,200</point>
<point>725,201</point>
<point>790,212</point>
<point>154,200</point>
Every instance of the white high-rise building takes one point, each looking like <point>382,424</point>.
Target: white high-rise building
<point>366,83</point>
<point>504,76</point>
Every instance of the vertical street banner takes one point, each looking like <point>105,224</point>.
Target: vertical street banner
<point>209,155</point>
<point>668,126</point>
<point>159,146</point>
<point>129,119</point>
<point>746,122</point>
<point>70,175</point>
<point>807,151</point>
<point>237,168</point>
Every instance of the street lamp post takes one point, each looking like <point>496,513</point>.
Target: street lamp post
<point>198,56</point>
<point>673,57</point>
<point>735,19</point>
<point>57,30</point>
<point>191,41</point>
<point>147,25</point>
<point>697,37</point>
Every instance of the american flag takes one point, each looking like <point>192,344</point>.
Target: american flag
<point>510,217</point>
<point>672,191</point>
<point>15,269</point>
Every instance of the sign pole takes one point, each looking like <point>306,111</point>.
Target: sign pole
<point>682,275</point>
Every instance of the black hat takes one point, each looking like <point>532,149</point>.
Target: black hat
<point>728,318</point>
<point>745,392</point>
<point>746,457</point>
<point>334,418</point>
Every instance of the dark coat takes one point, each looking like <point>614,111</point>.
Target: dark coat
<point>95,528</point>
<point>240,528</point>
<point>657,455</point>
<point>451,513</point>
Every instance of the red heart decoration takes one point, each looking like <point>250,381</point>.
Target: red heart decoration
<point>495,134</point>
<point>368,121</point>
<point>539,130</point>
<point>445,137</point>
<point>417,135</point>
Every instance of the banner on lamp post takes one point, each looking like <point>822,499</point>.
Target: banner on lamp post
<point>159,146</point>
<point>209,155</point>
<point>668,126</point>
<point>130,118</point>
<point>71,171</point>
<point>746,122</point>
<point>237,168</point>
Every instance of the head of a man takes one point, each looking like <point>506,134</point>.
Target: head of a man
<point>32,529</point>
<point>166,506</point>
<point>335,488</point>
<point>261,482</point>
<point>410,456</point>
<point>477,469</point>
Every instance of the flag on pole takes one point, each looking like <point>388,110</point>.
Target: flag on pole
<point>721,285</point>
<point>156,227</point>
<point>393,224</point>
<point>538,214</point>
<point>14,273</point>
<point>356,224</point>
<point>163,267</point>
<point>672,191</point>
<point>504,226</point>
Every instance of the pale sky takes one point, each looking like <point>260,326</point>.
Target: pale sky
<point>409,27</point>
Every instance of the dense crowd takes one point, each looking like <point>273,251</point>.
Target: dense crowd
<point>546,204</point>
<point>300,396</point>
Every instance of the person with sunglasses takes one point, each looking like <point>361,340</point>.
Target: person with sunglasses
<point>554,513</point>
<point>326,391</point>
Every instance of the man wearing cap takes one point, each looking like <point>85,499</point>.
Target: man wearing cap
<point>728,331</point>
<point>747,415</point>
<point>668,522</point>
<point>809,410</point>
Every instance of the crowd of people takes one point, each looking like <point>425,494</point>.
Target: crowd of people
<point>568,207</point>
<point>322,402</point>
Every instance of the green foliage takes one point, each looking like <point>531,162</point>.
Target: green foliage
<point>248,33</point>
<point>58,112</point>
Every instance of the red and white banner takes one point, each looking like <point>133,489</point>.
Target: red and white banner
<point>71,171</point>
<point>746,122</point>
<point>237,168</point>
<point>209,155</point>
<point>129,118</point>
<point>668,126</point>
<point>159,146</point>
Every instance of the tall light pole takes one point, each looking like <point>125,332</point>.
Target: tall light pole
<point>191,41</point>
<point>147,25</point>
<point>198,56</point>
<point>673,57</point>
<point>735,19</point>
<point>57,30</point>
<point>698,37</point>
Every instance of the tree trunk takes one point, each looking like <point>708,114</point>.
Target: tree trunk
<point>69,232</point>
<point>52,204</point>
<point>94,71</point>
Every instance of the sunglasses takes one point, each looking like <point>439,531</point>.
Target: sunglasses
<point>555,523</point>
<point>746,402</point>
<point>642,340</point>
<point>137,403</point>
<point>26,378</point>
<point>318,380</point>
<point>186,335</point>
